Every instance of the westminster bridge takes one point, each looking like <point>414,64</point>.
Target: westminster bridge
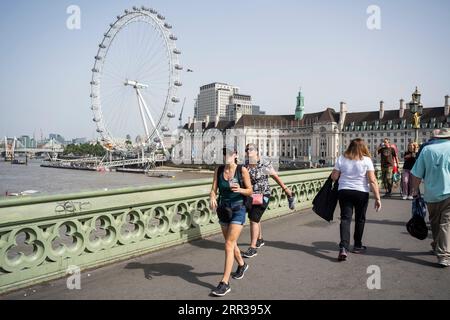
<point>164,243</point>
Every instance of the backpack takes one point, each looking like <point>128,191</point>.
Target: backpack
<point>247,200</point>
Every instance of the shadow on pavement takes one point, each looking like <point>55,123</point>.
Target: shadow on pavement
<point>173,270</point>
<point>208,244</point>
<point>388,222</point>
<point>314,250</point>
<point>327,247</point>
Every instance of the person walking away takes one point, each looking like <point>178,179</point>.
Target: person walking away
<point>432,140</point>
<point>231,201</point>
<point>355,172</point>
<point>388,160</point>
<point>259,171</point>
<point>433,168</point>
<point>409,161</point>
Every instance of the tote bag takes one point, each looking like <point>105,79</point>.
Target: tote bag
<point>326,200</point>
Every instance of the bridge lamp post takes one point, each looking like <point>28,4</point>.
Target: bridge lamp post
<point>416,109</point>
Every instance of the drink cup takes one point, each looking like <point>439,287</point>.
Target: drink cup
<point>233,183</point>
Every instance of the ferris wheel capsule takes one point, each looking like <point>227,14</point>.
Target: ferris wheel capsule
<point>171,115</point>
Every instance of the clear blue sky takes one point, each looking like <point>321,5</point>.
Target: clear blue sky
<point>267,48</point>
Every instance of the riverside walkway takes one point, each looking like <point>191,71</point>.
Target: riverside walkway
<point>299,261</point>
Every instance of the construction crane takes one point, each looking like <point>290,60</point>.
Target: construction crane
<point>181,114</point>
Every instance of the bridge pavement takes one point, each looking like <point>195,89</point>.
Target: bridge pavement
<point>298,262</point>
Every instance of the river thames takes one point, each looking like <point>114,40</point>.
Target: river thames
<point>51,181</point>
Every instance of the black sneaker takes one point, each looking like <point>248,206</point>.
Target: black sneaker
<point>260,243</point>
<point>361,249</point>
<point>221,290</point>
<point>239,274</point>
<point>250,253</point>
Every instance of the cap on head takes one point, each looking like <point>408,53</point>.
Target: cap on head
<point>443,133</point>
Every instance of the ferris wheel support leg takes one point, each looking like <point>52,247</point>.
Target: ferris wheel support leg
<point>141,110</point>
<point>151,120</point>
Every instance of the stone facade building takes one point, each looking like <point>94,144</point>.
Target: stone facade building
<point>319,138</point>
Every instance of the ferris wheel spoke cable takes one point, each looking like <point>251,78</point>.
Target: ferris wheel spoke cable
<point>113,75</point>
<point>153,50</point>
<point>154,69</point>
<point>118,111</point>
<point>153,61</point>
<point>147,47</point>
<point>116,104</point>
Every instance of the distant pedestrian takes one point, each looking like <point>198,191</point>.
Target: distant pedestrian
<point>388,161</point>
<point>259,171</point>
<point>433,167</point>
<point>409,161</point>
<point>233,183</point>
<point>355,172</point>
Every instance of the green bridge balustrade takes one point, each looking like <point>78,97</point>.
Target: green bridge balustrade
<point>40,237</point>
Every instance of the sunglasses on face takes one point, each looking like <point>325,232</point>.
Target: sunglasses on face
<point>249,149</point>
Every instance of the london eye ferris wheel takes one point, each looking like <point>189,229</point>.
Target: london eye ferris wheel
<point>135,79</point>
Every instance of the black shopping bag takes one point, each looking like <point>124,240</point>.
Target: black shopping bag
<point>417,226</point>
<point>326,200</point>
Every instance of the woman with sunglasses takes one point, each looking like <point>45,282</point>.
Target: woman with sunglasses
<point>233,183</point>
<point>260,171</point>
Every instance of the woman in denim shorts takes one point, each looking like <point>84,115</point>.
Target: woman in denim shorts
<point>233,183</point>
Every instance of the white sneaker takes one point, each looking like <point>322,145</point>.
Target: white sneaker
<point>405,198</point>
<point>444,262</point>
<point>410,198</point>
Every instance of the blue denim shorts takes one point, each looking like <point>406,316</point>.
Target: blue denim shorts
<point>239,213</point>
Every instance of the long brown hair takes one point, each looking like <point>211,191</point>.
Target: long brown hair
<point>357,150</point>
